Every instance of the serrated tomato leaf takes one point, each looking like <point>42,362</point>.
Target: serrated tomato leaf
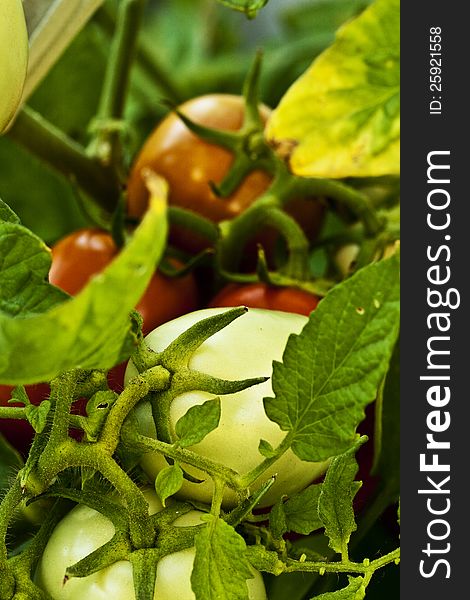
<point>24,264</point>
<point>333,368</point>
<point>93,330</point>
<point>342,117</point>
<point>221,566</point>
<point>356,590</point>
<point>335,507</point>
<point>37,415</point>
<point>298,514</point>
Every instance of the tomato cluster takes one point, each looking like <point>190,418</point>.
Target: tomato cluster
<point>88,530</point>
<point>86,252</point>
<point>191,165</point>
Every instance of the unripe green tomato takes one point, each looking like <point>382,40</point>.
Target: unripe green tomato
<point>83,530</point>
<point>244,349</point>
<point>13,58</point>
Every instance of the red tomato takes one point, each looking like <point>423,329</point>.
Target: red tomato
<point>86,252</point>
<point>189,164</point>
<point>18,431</point>
<point>261,295</point>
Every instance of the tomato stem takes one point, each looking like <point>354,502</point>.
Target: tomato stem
<point>106,144</point>
<point>247,480</point>
<point>229,476</point>
<point>145,58</point>
<point>343,566</point>
<point>136,389</point>
<point>64,155</point>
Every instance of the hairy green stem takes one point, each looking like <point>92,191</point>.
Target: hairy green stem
<point>10,502</point>
<point>145,58</point>
<point>135,390</point>
<point>72,454</point>
<point>12,412</point>
<point>218,495</point>
<point>51,145</point>
<point>182,455</point>
<point>343,566</point>
<point>62,396</point>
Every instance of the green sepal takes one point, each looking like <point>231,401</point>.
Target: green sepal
<point>179,352</point>
<point>190,380</point>
<point>144,570</point>
<point>243,510</point>
<point>118,548</point>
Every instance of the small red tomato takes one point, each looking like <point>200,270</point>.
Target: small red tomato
<point>261,295</point>
<point>86,252</point>
<point>190,164</point>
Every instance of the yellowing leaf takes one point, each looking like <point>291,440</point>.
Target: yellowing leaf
<point>342,117</point>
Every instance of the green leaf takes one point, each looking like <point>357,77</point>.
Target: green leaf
<point>31,189</point>
<point>18,394</point>
<point>249,7</point>
<point>342,117</point>
<point>92,330</point>
<point>356,590</point>
<point>335,507</point>
<point>45,201</point>
<point>221,567</point>
<point>333,368</point>
<point>24,265</point>
<point>197,422</point>
<point>6,214</point>
<point>278,521</point>
<point>37,415</point>
<point>266,449</point>
<point>168,482</point>
<point>323,15</point>
<point>298,514</point>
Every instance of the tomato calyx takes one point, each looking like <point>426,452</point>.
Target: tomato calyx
<point>248,145</point>
<point>175,359</point>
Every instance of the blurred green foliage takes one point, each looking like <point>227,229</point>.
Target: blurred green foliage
<point>200,45</point>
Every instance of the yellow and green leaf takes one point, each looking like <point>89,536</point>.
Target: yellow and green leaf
<point>342,117</point>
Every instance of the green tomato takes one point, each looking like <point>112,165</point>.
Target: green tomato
<point>83,530</point>
<point>246,348</point>
<point>13,58</point>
